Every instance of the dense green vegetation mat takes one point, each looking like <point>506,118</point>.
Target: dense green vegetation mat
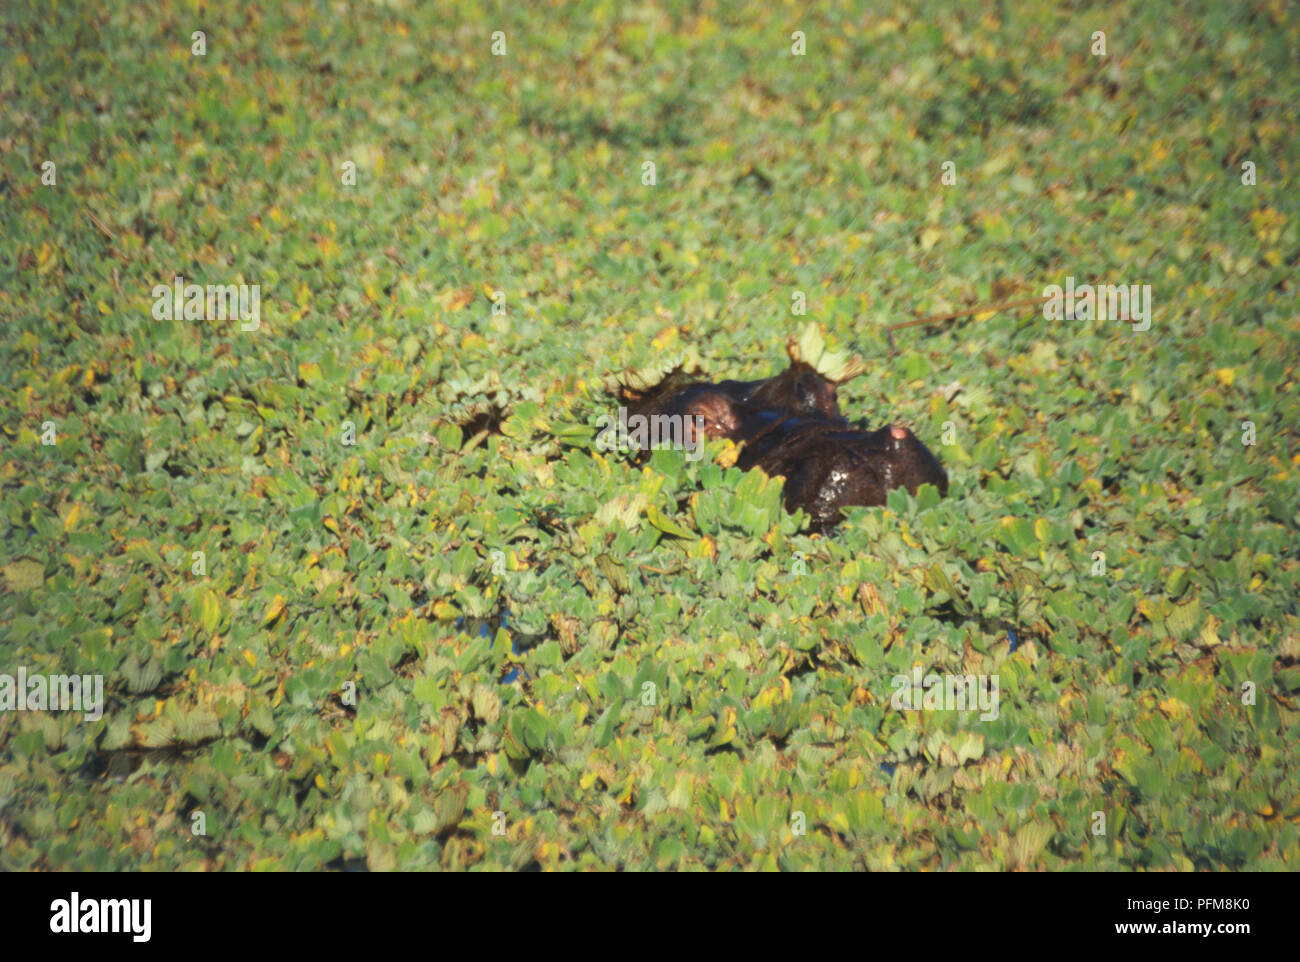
<point>303,640</point>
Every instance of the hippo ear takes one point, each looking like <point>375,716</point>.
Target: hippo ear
<point>835,366</point>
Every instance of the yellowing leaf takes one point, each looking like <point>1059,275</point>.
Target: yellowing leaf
<point>453,300</point>
<point>273,611</point>
<point>728,456</point>
<point>209,611</point>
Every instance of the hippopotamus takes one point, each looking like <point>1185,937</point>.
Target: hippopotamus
<point>790,425</point>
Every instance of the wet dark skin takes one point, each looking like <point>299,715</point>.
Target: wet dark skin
<point>790,426</point>
<point>797,391</point>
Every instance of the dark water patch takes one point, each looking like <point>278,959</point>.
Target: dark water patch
<point>115,765</point>
<point>520,643</point>
<point>341,864</point>
<point>486,420</point>
<point>950,614</point>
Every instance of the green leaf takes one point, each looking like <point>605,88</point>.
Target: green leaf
<point>24,574</point>
<point>667,525</point>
